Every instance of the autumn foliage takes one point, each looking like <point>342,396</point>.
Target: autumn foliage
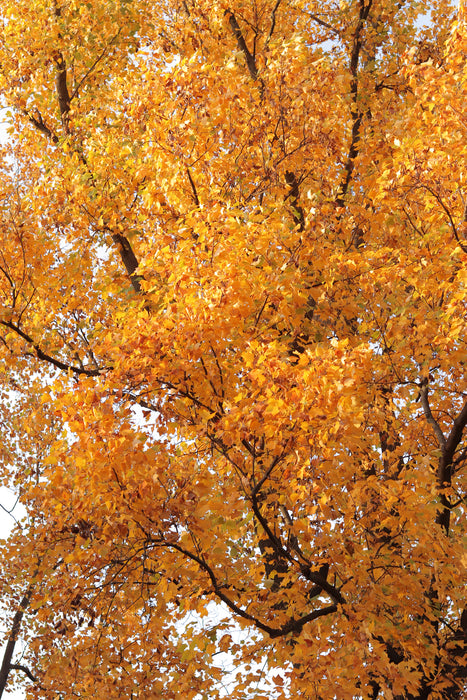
<point>233,283</point>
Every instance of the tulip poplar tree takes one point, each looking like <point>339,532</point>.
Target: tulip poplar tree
<point>233,285</point>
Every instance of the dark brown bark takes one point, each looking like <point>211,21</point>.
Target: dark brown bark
<point>129,259</point>
<point>356,111</point>
<point>249,58</point>
<point>7,666</point>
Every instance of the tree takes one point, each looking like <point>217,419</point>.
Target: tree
<point>233,361</point>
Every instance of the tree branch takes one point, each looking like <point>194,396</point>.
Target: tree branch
<point>48,358</point>
<point>445,466</point>
<point>249,58</point>
<point>13,638</point>
<point>356,113</point>
<point>294,194</point>
<point>429,416</point>
<point>273,22</point>
<point>39,124</point>
<point>25,670</point>
<point>129,259</point>
<point>315,577</point>
<point>193,187</point>
<point>448,214</point>
<point>322,23</point>
<point>64,100</point>
<point>456,433</point>
<point>93,65</point>
<point>127,254</point>
<point>293,625</point>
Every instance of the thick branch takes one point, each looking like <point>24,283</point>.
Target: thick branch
<point>64,100</point>
<point>13,638</point>
<point>448,448</point>
<point>39,124</point>
<point>429,416</point>
<point>356,112</point>
<point>455,435</point>
<point>352,154</point>
<point>249,58</point>
<point>445,466</point>
<point>296,624</point>
<point>129,259</point>
<point>294,194</point>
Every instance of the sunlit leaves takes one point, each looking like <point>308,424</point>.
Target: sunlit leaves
<point>232,278</point>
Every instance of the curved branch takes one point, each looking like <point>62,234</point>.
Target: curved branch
<point>315,577</point>
<point>273,22</point>
<point>292,625</point>
<point>48,358</point>
<point>39,124</point>
<point>429,416</point>
<point>25,670</point>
